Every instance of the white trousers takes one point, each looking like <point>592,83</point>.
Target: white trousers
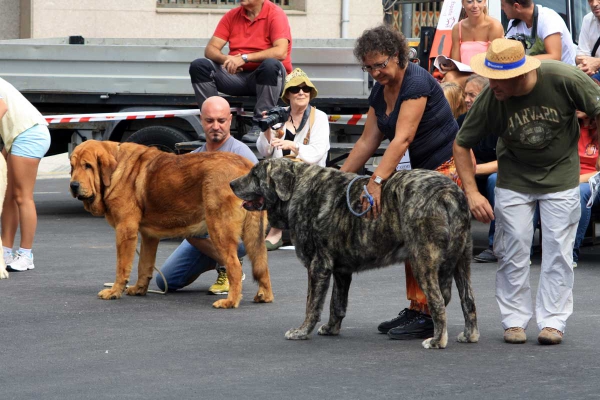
<point>559,214</point>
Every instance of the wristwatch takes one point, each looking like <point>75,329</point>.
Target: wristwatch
<point>245,57</point>
<point>378,180</point>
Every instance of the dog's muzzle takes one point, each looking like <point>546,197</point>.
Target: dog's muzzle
<point>74,186</point>
<point>254,205</point>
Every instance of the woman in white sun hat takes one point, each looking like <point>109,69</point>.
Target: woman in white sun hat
<point>304,136</point>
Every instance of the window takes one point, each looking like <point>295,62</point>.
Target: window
<point>285,4</point>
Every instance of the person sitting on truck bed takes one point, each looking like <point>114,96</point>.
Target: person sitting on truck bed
<point>260,47</point>
<point>406,106</point>
<point>541,30</point>
<point>197,255</point>
<point>588,57</point>
<point>26,139</point>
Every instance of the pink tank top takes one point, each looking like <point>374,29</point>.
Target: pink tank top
<point>470,48</point>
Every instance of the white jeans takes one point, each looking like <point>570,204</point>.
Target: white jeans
<point>559,214</point>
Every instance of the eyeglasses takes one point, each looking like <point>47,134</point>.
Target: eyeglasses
<point>376,67</point>
<point>297,89</point>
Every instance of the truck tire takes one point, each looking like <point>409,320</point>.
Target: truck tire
<point>162,137</point>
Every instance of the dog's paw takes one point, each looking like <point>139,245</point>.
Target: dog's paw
<point>473,337</point>
<point>137,290</point>
<point>225,303</point>
<point>262,297</point>
<point>432,344</point>
<point>296,334</point>
<point>327,330</point>
<point>109,294</point>
<point>3,274</point>
<point>428,345</point>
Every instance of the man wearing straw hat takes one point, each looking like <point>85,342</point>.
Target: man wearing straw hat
<point>530,104</point>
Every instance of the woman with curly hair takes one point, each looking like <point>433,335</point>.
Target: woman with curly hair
<point>407,107</point>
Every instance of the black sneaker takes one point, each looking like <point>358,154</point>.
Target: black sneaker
<point>420,327</point>
<point>405,316</point>
<point>252,135</point>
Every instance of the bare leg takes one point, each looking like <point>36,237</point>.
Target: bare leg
<point>19,207</point>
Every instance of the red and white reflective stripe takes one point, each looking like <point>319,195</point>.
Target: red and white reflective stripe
<point>354,119</point>
<point>62,119</point>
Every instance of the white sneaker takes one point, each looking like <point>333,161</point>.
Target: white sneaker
<point>9,258</point>
<point>21,262</point>
<point>574,264</point>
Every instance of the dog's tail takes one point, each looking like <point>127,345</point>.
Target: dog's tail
<point>253,235</point>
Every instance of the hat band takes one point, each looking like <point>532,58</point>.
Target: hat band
<point>508,66</point>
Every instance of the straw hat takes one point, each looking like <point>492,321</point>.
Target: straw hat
<point>295,78</point>
<point>504,59</point>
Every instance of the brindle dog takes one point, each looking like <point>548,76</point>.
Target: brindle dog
<point>425,219</point>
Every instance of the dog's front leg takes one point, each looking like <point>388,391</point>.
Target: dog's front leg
<point>126,243</point>
<point>145,266</point>
<point>319,275</point>
<point>339,302</point>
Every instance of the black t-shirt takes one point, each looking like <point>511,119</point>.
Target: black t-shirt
<point>432,145</point>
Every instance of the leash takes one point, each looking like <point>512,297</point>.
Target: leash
<point>366,195</point>
<point>110,284</point>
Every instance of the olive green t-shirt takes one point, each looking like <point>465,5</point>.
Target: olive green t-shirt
<point>538,132</point>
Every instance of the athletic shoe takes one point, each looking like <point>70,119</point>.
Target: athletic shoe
<point>8,258</point>
<point>403,317</point>
<point>574,264</point>
<point>221,286</point>
<point>550,336</point>
<point>420,327</point>
<point>252,135</point>
<point>22,262</point>
<point>486,256</point>
<point>515,335</point>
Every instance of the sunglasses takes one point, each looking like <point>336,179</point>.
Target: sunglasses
<point>297,89</point>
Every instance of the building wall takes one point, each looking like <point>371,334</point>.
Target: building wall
<point>141,19</point>
<point>9,19</point>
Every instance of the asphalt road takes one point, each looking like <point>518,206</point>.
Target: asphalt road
<point>60,342</point>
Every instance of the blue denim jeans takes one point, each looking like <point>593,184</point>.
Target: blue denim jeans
<point>186,264</point>
<point>491,185</point>
<point>584,221</point>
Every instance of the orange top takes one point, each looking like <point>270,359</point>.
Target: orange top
<point>588,150</point>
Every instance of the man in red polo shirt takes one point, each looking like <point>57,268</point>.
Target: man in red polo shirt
<point>260,47</point>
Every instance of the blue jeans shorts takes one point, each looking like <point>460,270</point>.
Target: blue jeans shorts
<point>33,143</point>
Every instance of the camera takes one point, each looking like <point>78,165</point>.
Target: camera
<point>276,115</point>
<point>525,40</point>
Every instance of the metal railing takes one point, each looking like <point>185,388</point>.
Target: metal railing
<point>424,13</point>
<point>285,4</point>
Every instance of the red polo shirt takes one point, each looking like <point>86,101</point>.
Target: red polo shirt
<point>245,36</point>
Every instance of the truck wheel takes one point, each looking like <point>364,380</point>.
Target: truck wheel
<point>162,137</point>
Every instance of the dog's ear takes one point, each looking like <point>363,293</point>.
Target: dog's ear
<point>106,166</point>
<point>282,179</point>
